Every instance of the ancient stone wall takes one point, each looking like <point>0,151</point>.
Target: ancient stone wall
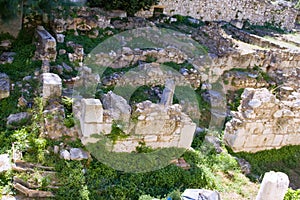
<point>264,121</point>
<point>158,126</point>
<point>257,11</point>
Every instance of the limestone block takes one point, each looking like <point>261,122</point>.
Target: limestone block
<point>91,111</point>
<point>235,141</point>
<point>52,85</point>
<point>187,135</point>
<point>274,186</point>
<point>278,139</point>
<point>291,139</point>
<point>150,138</point>
<point>259,141</point>
<point>5,163</point>
<point>125,146</point>
<point>88,129</point>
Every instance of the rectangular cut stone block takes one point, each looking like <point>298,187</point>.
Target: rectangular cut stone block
<point>277,140</point>
<point>235,141</point>
<point>292,139</point>
<point>187,135</point>
<point>150,138</point>
<point>92,111</point>
<point>274,186</point>
<point>125,146</point>
<point>259,141</point>
<point>52,85</point>
<point>89,129</point>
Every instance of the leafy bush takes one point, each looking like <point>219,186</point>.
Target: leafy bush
<point>284,160</point>
<point>292,194</point>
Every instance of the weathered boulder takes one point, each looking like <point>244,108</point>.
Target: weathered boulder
<point>195,194</point>
<point>4,86</point>
<point>274,186</point>
<point>7,57</point>
<point>5,163</point>
<point>117,105</point>
<point>78,154</point>
<point>65,154</point>
<point>18,119</point>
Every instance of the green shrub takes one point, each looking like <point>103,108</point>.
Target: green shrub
<point>292,194</point>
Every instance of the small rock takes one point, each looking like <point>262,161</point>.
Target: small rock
<point>27,78</point>
<point>215,142</point>
<point>78,154</point>
<point>22,102</point>
<point>5,44</point>
<point>245,166</point>
<point>64,154</point>
<point>67,67</point>
<point>56,149</point>
<point>7,57</point>
<point>195,194</point>
<point>62,52</point>
<point>18,119</point>
<point>60,38</point>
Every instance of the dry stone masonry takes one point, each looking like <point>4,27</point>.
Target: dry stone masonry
<point>256,12</point>
<point>157,125</point>
<point>264,122</point>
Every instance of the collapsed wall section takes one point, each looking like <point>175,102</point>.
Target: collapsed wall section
<point>264,122</point>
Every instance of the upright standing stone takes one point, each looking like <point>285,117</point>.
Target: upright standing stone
<point>91,117</point>
<point>46,45</point>
<point>52,86</point>
<point>274,186</point>
<point>168,93</point>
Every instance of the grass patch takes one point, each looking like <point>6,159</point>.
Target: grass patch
<point>285,160</point>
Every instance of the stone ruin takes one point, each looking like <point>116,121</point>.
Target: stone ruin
<point>86,20</point>
<point>256,12</point>
<point>46,45</point>
<point>159,126</point>
<point>264,122</point>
